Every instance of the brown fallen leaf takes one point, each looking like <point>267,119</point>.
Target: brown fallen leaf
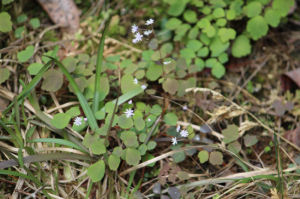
<point>293,136</point>
<point>289,77</point>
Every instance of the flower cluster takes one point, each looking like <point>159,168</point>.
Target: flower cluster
<point>137,35</point>
<point>183,133</point>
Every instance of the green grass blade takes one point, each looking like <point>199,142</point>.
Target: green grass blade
<point>83,102</point>
<point>29,87</point>
<point>58,141</point>
<point>17,141</point>
<point>96,100</point>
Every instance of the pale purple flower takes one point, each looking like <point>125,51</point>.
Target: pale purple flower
<point>178,128</point>
<point>129,112</point>
<point>138,37</point>
<point>147,32</point>
<point>149,22</point>
<point>149,120</point>
<point>174,140</point>
<point>143,86</point>
<point>130,102</point>
<point>135,81</point>
<point>184,107</point>
<point>134,28</point>
<point>85,119</point>
<point>78,121</point>
<point>166,62</point>
<point>184,133</point>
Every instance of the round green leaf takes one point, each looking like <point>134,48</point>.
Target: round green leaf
<point>154,72</point>
<point>177,7</point>
<point>5,22</point>
<point>132,156</point>
<point>257,27</point>
<point>26,54</point>
<point>231,133</point>
<point>241,46</point>
<point>194,44</point>
<point>129,138</point>
<point>60,120</point>
<point>234,147</point>
<point>173,23</point>
<point>35,23</point>
<point>128,84</point>
<point>190,16</point>
<point>179,157</point>
<point>124,122</point>
<point>4,75</point>
<point>96,171</point>
<point>98,147</point>
<point>283,6</point>
<point>139,124</point>
<point>253,9</point>
<point>250,140</point>
<point>218,13</point>
<point>151,145</point>
<point>272,17</point>
<point>143,149</point>
<point>170,119</point>
<point>202,23</point>
<point>113,162</point>
<point>53,80</point>
<point>74,111</point>
<point>170,86</point>
<point>218,70</point>
<point>226,34</point>
<point>34,68</point>
<point>203,156</point>
<point>142,137</point>
<point>69,63</point>
<point>193,33</point>
<point>203,52</point>
<point>216,158</point>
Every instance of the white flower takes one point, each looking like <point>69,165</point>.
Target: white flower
<point>138,37</point>
<point>78,121</point>
<point>144,87</point>
<point>129,112</point>
<point>184,107</point>
<point>178,128</point>
<point>166,62</point>
<point>134,28</point>
<point>147,32</point>
<point>135,81</point>
<point>149,120</point>
<point>130,102</point>
<point>184,133</point>
<point>149,22</point>
<point>174,140</point>
<point>85,119</point>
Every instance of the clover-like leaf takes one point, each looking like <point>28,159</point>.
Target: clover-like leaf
<point>151,145</point>
<point>179,157</point>
<point>241,46</point>
<point>283,6</point>
<point>143,149</point>
<point>203,52</point>
<point>113,162</point>
<point>96,171</point>
<point>217,46</point>
<point>154,72</point>
<point>257,27</point>
<point>231,133</point>
<point>4,75</point>
<point>210,31</point>
<point>60,120</point>
<point>177,7</point>
<point>190,16</point>
<point>218,70</point>
<point>234,147</point>
<point>203,156</point>
<point>216,158</point>
<point>194,44</point>
<point>129,138</point>
<point>26,54</point>
<point>53,80</point>
<point>170,86</point>
<point>204,22</point>
<point>69,63</point>
<point>250,140</point>
<point>132,156</point>
<point>139,123</point>
<point>5,22</point>
<point>226,34</point>
<point>118,151</point>
<point>98,147</point>
<point>170,119</point>
<point>73,112</point>
<point>272,17</point>
<point>124,122</point>
<point>253,9</point>
<point>128,84</point>
<point>218,13</point>
<point>173,23</point>
<point>35,23</point>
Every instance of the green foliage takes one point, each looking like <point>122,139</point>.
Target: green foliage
<point>35,23</point>
<point>4,75</point>
<point>257,27</point>
<point>60,120</point>
<point>216,158</point>
<point>230,133</point>
<point>34,68</point>
<point>53,80</point>
<point>203,156</point>
<point>5,22</point>
<point>241,46</point>
<point>96,171</point>
<point>26,54</point>
<point>132,156</point>
<point>113,162</point>
<point>170,119</point>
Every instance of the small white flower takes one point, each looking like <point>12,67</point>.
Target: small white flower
<point>174,140</point>
<point>149,120</point>
<point>147,32</point>
<point>184,133</point>
<point>135,81</point>
<point>134,28</point>
<point>85,119</point>
<point>166,62</point>
<point>138,37</point>
<point>149,22</point>
<point>178,129</point>
<point>184,107</point>
<point>129,112</point>
<point>78,121</point>
<point>143,86</point>
<point>130,102</point>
